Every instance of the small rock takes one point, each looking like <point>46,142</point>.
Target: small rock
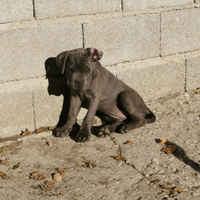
<point>57,177</point>
<point>186,95</point>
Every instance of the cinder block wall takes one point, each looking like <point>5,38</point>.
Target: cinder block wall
<point>153,46</point>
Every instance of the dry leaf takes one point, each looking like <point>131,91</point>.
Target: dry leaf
<point>1,174</point>
<point>119,158</point>
<point>43,138</point>
<point>94,121</point>
<point>25,133</point>
<point>4,176</point>
<point>44,188</point>
<point>89,165</point>
<point>163,141</point>
<point>37,176</point>
<point>3,149</point>
<point>49,144</point>
<point>4,162</point>
<point>39,130</point>
<point>129,142</point>
<point>57,177</point>
<point>51,128</point>
<point>165,187</point>
<point>196,91</point>
<point>1,140</point>
<point>178,189</point>
<point>16,166</point>
<point>155,181</point>
<point>58,195</point>
<point>34,187</point>
<point>61,171</point>
<point>169,150</point>
<point>49,184</point>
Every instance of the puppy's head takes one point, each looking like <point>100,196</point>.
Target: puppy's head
<point>78,66</point>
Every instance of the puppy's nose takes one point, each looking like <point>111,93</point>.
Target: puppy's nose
<point>78,83</point>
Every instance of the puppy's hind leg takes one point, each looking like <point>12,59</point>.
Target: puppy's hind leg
<point>134,108</point>
<point>109,125</point>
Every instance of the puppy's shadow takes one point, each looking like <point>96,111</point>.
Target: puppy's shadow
<point>58,86</point>
<point>181,155</point>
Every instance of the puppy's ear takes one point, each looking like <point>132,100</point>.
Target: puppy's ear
<point>61,60</point>
<point>94,54</point>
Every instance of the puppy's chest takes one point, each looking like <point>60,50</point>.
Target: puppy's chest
<point>84,97</point>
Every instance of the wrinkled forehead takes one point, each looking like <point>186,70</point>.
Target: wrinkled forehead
<point>78,57</point>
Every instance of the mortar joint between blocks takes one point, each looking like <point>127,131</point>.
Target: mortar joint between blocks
<point>33,107</point>
<point>83,39</point>
<point>34,13</point>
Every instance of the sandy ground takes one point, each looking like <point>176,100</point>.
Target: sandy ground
<point>108,168</point>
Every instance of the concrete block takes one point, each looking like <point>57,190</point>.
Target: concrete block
<point>129,5</point>
<point>16,113</point>
<point>12,10</point>
<point>124,38</point>
<point>63,8</point>
<point>24,50</point>
<point>153,78</point>
<point>47,108</point>
<point>193,70</point>
<point>180,31</point>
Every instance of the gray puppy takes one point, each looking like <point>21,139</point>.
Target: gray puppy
<point>96,89</point>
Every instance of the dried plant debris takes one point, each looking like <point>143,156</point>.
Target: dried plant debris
<point>48,185</point>
<point>89,165</point>
<point>178,189</point>
<point>3,149</point>
<point>119,158</point>
<point>39,130</point>
<point>37,176</point>
<point>16,166</point>
<point>57,177</point>
<point>4,162</point>
<point>165,187</point>
<point>169,150</point>
<point>163,141</point>
<point>129,142</point>
<point>4,176</point>
<point>51,128</point>
<point>58,195</point>
<point>155,181</point>
<point>196,91</point>
<point>49,144</point>
<point>25,133</point>
<point>61,171</point>
<point>1,140</point>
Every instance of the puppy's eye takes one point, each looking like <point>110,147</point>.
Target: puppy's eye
<point>87,70</point>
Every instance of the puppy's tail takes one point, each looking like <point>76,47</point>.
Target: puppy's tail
<point>150,117</point>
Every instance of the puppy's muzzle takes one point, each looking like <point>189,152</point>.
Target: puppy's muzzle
<point>78,83</point>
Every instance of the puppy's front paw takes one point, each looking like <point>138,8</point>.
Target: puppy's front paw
<point>83,136</point>
<point>61,132</point>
